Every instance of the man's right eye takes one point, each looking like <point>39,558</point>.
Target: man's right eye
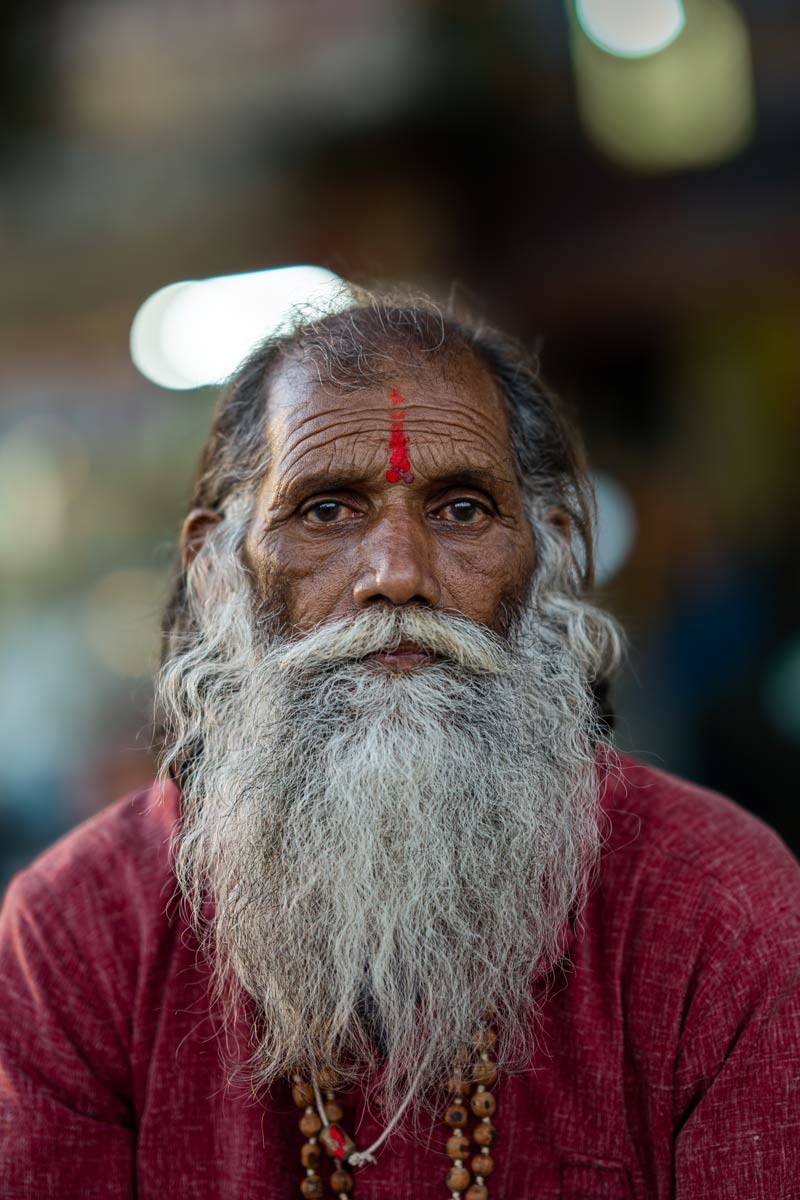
<point>325,512</point>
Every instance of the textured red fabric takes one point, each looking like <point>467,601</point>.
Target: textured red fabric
<point>670,1045</point>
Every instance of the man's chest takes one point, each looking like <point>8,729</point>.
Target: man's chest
<point>580,1124</point>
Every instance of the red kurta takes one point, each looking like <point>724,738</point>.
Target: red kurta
<point>669,1064</point>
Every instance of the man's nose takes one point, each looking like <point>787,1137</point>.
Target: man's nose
<point>397,566</point>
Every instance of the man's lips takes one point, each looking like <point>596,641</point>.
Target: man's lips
<point>405,657</point>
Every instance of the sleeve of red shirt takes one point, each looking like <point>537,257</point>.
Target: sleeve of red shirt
<point>737,1068</point>
<point>66,1126</point>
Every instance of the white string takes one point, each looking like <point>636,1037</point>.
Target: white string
<point>361,1157</point>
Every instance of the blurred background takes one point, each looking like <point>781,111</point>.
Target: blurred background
<point>615,181</point>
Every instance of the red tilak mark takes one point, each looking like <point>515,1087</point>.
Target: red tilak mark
<point>399,466</point>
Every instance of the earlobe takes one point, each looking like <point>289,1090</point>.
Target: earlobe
<point>194,531</point>
<point>558,518</point>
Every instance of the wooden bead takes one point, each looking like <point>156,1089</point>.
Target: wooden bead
<point>477,1192</point>
<point>341,1181</point>
<point>456,1116</point>
<point>457,1084</point>
<point>484,1072</point>
<point>484,1134</point>
<point>482,1164</point>
<point>333,1111</point>
<point>327,1079</point>
<point>482,1104</point>
<point>311,1154</point>
<point>458,1146</point>
<point>312,1187</point>
<point>302,1094</point>
<point>485,1040</point>
<point>310,1124</point>
<point>457,1178</point>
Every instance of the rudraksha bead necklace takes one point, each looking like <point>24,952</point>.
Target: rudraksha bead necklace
<point>321,1126</point>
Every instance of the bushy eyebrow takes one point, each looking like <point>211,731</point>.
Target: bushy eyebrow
<point>346,480</point>
<point>475,477</point>
<point>323,481</point>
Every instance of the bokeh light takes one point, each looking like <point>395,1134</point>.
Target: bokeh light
<point>616,526</point>
<point>196,332</point>
<point>690,105</point>
<point>43,464</point>
<point>121,620</point>
<point>631,28</point>
<point>782,691</point>
<point>31,502</point>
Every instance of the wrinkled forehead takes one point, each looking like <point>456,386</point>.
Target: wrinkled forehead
<point>451,408</point>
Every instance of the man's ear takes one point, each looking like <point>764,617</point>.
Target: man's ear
<point>194,531</point>
<point>557,517</point>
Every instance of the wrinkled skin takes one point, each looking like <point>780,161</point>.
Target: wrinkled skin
<point>331,535</point>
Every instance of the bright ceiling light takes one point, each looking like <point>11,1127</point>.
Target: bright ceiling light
<point>196,333</point>
<point>631,28</point>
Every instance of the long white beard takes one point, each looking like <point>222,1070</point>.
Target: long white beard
<point>419,840</point>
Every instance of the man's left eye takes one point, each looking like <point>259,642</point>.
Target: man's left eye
<point>465,512</point>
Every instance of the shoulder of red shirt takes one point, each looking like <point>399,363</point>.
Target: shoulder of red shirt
<point>690,832</point>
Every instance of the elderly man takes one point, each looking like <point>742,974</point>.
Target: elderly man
<point>395,919</point>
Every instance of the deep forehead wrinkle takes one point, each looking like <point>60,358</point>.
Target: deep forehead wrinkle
<point>426,418</point>
<point>455,422</point>
<point>458,369</point>
<point>374,412</point>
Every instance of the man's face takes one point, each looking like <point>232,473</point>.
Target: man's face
<point>402,492</point>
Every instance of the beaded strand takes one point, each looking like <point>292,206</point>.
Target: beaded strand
<point>482,1104</point>
<point>312,1186</point>
<point>330,1136</point>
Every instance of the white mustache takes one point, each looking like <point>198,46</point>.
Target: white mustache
<point>464,643</point>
